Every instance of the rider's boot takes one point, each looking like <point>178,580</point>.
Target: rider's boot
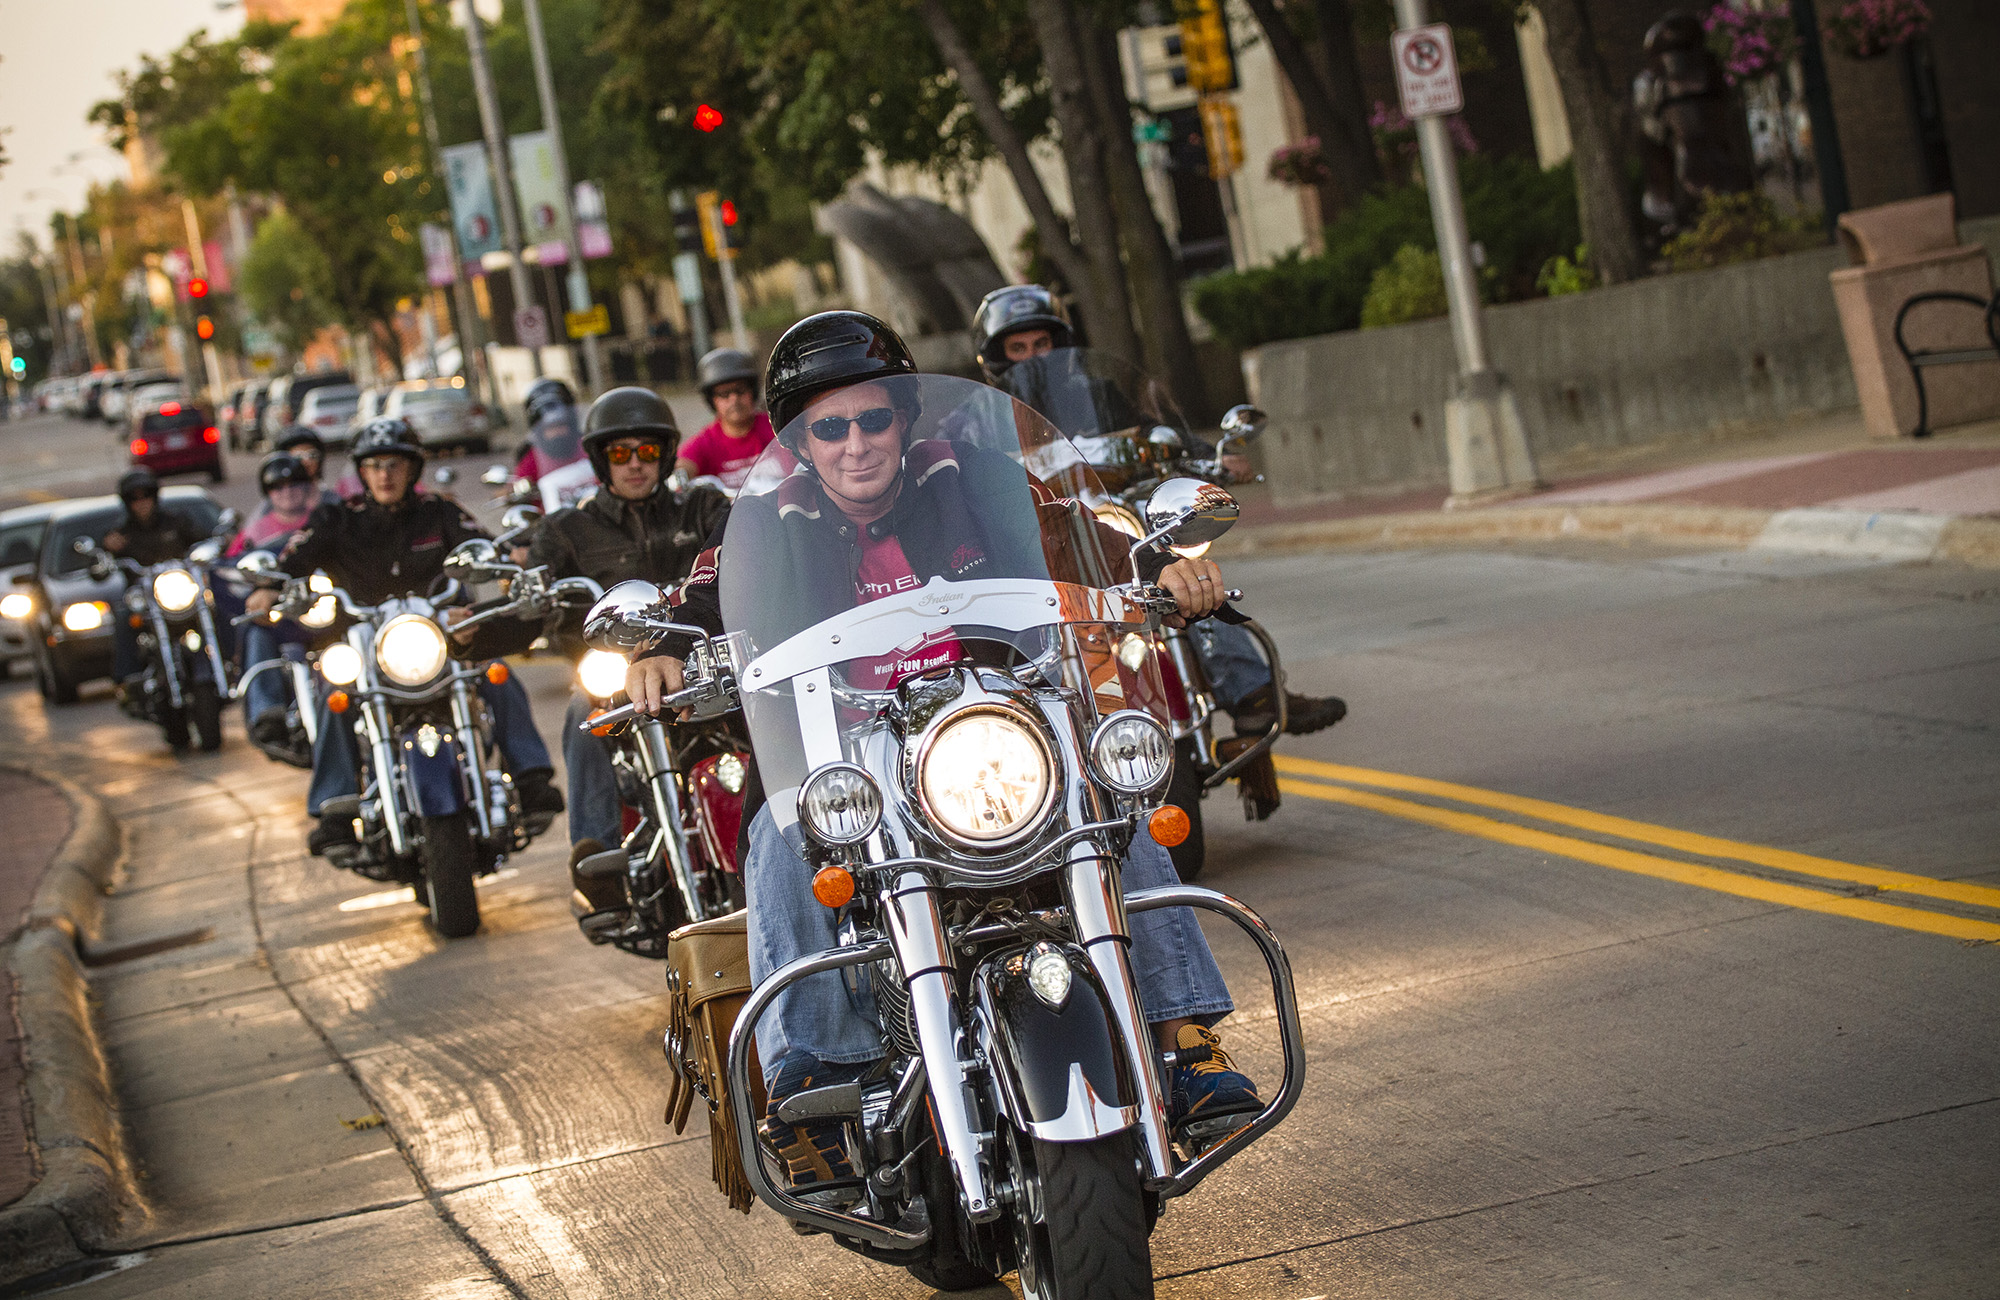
<point>334,832</point>
<point>1206,1083</point>
<point>540,800</point>
<point>1304,714</point>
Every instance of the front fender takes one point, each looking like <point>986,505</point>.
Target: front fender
<point>1063,1075</point>
<point>436,779</point>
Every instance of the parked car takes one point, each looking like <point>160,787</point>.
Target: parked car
<point>20,538</point>
<point>114,404</point>
<point>148,398</point>
<point>286,394</point>
<point>443,412</point>
<point>178,438</point>
<point>225,415</point>
<point>72,611</point>
<point>328,411</point>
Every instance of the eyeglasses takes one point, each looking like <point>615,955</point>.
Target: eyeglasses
<point>834,427</point>
<point>647,452</point>
<point>379,464</point>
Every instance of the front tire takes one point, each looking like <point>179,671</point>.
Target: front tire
<point>205,710</point>
<point>1093,1243</point>
<point>57,686</point>
<point>174,722</point>
<point>448,856</point>
<point>1184,792</point>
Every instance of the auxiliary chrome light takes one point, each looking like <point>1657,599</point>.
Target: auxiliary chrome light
<point>1049,975</point>
<point>1131,752</point>
<point>84,616</point>
<point>840,804</point>
<point>340,664</point>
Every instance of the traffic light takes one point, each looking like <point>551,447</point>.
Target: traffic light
<point>1205,46</point>
<point>729,214</point>
<point>718,216</point>
<point>18,366</point>
<point>687,230</point>
<point>706,119</point>
<point>204,328</point>
<point>197,288</point>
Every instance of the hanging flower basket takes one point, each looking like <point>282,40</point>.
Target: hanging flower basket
<point>1301,165</point>
<point>1750,44</point>
<point>1866,29</point>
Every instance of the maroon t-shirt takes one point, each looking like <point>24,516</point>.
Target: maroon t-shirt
<point>884,571</point>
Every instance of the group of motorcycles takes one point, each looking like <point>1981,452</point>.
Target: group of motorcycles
<point>967,826</point>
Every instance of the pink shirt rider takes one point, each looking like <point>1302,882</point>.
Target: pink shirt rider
<point>712,451</point>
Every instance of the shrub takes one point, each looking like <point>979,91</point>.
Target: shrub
<point>1740,228</point>
<point>1410,287</point>
<point>1561,275</point>
<point>1867,29</point>
<point>1521,214</point>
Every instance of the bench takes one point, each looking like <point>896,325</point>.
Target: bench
<point>1920,358</point>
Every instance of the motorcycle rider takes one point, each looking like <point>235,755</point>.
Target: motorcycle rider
<point>636,527</point>
<point>1023,321</point>
<point>310,449</point>
<point>290,495</point>
<point>147,534</point>
<point>842,391</point>
<point>728,447</point>
<point>388,541</point>
<point>550,406</point>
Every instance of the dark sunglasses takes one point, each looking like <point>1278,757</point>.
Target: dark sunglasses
<point>834,427</point>
<point>647,452</point>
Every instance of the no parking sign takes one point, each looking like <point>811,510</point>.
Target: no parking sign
<point>1426,71</point>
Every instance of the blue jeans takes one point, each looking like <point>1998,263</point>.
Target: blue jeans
<point>1176,973</point>
<point>1235,667</point>
<point>263,642</point>
<point>337,754</point>
<point>595,810</point>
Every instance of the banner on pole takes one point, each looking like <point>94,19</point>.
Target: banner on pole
<point>436,243</point>
<point>593,223</point>
<point>469,183</point>
<point>538,183</point>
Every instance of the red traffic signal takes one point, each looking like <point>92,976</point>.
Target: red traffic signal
<point>706,118</point>
<point>197,288</point>
<point>728,212</point>
<point>204,328</point>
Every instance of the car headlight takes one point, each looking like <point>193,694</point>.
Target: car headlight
<point>84,616</point>
<point>1131,752</point>
<point>340,664</point>
<point>984,777</point>
<point>17,605</point>
<point>840,804</point>
<point>175,590</point>
<point>601,674</point>
<point>410,650</point>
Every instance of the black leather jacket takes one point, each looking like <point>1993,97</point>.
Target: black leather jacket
<point>166,536</point>
<point>374,552</point>
<point>609,539</point>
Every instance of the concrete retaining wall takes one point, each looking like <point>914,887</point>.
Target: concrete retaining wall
<point>1676,357</point>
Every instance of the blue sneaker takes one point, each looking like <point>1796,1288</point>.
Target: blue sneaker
<point>815,1153</point>
<point>1207,1089</point>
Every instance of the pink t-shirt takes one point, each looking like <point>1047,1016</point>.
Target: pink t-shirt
<point>714,452</point>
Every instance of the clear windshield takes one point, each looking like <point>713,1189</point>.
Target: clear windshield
<point>935,522</point>
<point>1124,422</point>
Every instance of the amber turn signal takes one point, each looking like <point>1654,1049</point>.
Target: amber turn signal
<point>1169,825</point>
<point>833,886</point>
<point>337,702</point>
<point>496,672</point>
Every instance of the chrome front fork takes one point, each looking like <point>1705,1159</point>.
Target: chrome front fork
<point>472,754</point>
<point>206,619</point>
<point>656,762</point>
<point>306,696</point>
<point>375,720</point>
<point>170,654</point>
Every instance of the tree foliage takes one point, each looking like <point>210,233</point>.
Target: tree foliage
<point>287,281</point>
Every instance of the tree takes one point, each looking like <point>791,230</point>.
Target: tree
<point>1599,126</point>
<point>1329,88</point>
<point>286,280</point>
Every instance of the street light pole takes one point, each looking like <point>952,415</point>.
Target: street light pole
<point>198,262</point>
<point>579,281</point>
<point>59,345</point>
<point>494,128</point>
<point>80,276</point>
<point>1486,445</point>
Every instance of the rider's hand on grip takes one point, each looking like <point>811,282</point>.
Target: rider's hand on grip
<point>649,681</point>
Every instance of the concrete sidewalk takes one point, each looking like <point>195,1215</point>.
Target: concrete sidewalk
<point>1820,487</point>
<point>39,820</point>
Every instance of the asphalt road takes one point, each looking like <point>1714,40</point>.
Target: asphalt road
<point>1552,1053</point>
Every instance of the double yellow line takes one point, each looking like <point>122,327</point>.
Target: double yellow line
<point>1855,891</point>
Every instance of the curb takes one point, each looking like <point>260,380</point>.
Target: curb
<point>88,1183</point>
<point>1897,536</point>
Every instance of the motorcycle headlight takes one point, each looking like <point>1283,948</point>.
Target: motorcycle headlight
<point>410,650</point>
<point>84,616</point>
<point>840,804</point>
<point>340,664</point>
<point>175,590</point>
<point>601,674</point>
<point>985,777</point>
<point>17,605</point>
<point>1131,752</point>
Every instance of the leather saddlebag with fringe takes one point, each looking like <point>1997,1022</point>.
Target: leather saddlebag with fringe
<point>708,981</point>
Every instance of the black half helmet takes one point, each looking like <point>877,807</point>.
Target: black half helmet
<point>629,412</point>
<point>546,394</point>
<point>827,351</point>
<point>721,366</point>
<point>390,435</point>
<point>1015,307</point>
<point>299,436</point>
<point>137,484</point>
<point>281,468</point>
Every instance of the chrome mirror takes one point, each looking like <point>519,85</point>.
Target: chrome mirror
<point>258,564</point>
<point>519,517</point>
<point>228,522</point>
<point>474,561</point>
<point>631,617</point>
<point>498,476</point>
<point>1188,512</point>
<point>444,476</point>
<point>1243,424</point>
<point>1162,436</point>
<point>207,551</point>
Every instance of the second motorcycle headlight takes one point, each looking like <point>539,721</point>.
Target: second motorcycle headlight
<point>840,804</point>
<point>985,777</point>
<point>410,650</point>
<point>176,590</point>
<point>601,673</point>
<point>1131,752</point>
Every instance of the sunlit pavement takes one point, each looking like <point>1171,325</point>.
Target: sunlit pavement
<point>1534,1071</point>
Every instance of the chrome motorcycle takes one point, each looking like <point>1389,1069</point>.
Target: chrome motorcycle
<point>184,676</point>
<point>968,820</point>
<point>1136,440</point>
<point>683,784</point>
<point>257,569</point>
